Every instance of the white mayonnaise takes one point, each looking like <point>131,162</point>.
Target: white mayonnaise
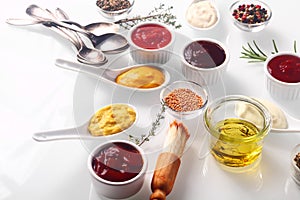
<point>278,117</point>
<point>201,14</point>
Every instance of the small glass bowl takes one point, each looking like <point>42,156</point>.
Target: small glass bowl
<point>250,27</point>
<point>295,170</point>
<point>280,89</point>
<point>118,14</point>
<point>230,144</point>
<point>196,88</point>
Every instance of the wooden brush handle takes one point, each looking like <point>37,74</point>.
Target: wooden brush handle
<point>164,176</point>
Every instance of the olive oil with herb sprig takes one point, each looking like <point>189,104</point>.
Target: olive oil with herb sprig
<point>238,143</point>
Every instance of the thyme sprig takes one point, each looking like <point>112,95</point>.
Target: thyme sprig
<point>161,14</point>
<point>254,53</point>
<point>155,124</point>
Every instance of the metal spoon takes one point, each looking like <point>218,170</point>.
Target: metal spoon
<point>97,28</point>
<point>109,74</point>
<point>118,41</point>
<point>22,22</point>
<point>85,54</point>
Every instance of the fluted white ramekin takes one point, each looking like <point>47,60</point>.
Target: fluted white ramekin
<point>158,56</point>
<point>280,89</point>
<point>205,76</point>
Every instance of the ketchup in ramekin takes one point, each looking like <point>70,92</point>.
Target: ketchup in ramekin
<point>151,36</point>
<point>285,68</point>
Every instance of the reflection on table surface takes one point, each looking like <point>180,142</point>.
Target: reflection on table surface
<point>36,95</point>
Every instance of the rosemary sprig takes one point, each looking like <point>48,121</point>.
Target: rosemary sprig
<point>144,138</point>
<point>275,47</point>
<point>255,54</point>
<point>161,14</point>
<point>252,55</point>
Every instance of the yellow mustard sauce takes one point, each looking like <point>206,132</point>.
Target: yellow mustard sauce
<point>141,77</point>
<point>111,119</point>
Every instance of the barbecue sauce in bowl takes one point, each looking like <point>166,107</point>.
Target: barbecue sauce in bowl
<point>117,162</point>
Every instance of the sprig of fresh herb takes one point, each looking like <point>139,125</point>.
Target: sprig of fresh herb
<point>144,138</point>
<point>161,14</point>
<point>255,54</point>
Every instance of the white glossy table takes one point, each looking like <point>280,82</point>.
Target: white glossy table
<point>36,95</point>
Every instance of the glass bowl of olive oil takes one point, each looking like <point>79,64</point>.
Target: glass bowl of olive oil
<point>236,141</point>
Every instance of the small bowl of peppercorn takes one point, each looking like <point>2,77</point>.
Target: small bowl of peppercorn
<point>295,161</point>
<point>250,15</point>
<point>114,9</point>
<point>184,99</point>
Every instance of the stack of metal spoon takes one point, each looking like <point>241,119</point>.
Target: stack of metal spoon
<point>108,42</point>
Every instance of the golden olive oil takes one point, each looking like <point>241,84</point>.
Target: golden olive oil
<point>237,143</point>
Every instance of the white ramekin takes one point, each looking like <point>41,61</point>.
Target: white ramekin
<point>205,76</point>
<point>280,89</point>
<point>117,190</point>
<point>143,56</point>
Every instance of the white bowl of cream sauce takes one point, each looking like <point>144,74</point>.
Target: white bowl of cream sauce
<point>202,15</point>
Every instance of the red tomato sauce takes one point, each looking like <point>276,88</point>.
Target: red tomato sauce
<point>151,36</point>
<point>285,68</point>
<point>118,162</point>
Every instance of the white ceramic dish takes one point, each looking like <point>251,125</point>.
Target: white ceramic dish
<point>122,189</point>
<point>143,55</point>
<point>280,89</point>
<point>207,26</point>
<point>205,76</point>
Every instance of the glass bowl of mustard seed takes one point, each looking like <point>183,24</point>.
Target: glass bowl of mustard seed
<point>184,99</point>
<point>250,15</point>
<point>114,9</point>
<point>295,161</point>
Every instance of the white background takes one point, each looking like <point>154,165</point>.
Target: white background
<point>36,95</point>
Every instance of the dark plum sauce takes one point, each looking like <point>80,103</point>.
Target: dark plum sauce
<point>118,162</point>
<point>204,54</point>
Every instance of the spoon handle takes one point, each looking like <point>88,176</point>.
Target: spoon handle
<point>87,69</point>
<point>276,130</point>
<point>22,22</point>
<point>70,133</point>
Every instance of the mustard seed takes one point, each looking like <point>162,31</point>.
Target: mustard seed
<point>183,100</point>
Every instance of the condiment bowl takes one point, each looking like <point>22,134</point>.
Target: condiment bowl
<point>202,15</point>
<point>109,177</point>
<point>236,141</point>
<point>295,170</point>
<point>178,102</point>
<point>278,88</point>
<point>151,42</point>
<point>204,61</point>
<point>246,23</point>
<point>115,14</point>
